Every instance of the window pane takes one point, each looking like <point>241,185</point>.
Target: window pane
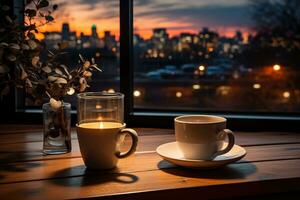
<point>90,28</point>
<point>215,55</point>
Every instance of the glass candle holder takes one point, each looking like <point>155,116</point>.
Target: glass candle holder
<point>101,129</point>
<point>100,107</point>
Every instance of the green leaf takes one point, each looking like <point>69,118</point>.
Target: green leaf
<point>30,12</point>
<point>55,6</point>
<point>3,44</point>
<point>11,57</point>
<point>8,19</point>
<point>43,3</point>
<point>49,18</point>
<point>32,44</point>
<point>14,46</point>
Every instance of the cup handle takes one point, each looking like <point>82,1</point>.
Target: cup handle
<point>134,137</point>
<point>230,144</point>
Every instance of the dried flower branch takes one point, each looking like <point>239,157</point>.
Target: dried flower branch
<point>20,55</point>
<point>57,80</point>
<point>18,44</point>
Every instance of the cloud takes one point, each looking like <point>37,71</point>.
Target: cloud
<point>188,3</point>
<point>190,13</point>
<point>143,2</point>
<point>101,9</point>
<point>107,3</point>
<point>235,15</point>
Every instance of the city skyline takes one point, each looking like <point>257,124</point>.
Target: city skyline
<point>93,30</point>
<point>200,64</point>
<point>224,17</point>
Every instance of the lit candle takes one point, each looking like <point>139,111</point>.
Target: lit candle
<point>101,125</point>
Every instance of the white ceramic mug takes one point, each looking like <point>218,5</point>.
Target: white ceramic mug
<point>202,137</point>
<point>100,143</point>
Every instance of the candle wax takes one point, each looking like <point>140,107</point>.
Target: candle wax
<point>101,125</point>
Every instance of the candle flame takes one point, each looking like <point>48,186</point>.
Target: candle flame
<point>101,125</point>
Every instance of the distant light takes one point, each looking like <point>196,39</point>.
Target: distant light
<point>111,90</point>
<point>201,68</point>
<point>98,106</point>
<point>136,93</point>
<point>196,87</point>
<point>97,54</point>
<point>161,55</point>
<point>210,49</point>
<point>236,75</point>
<point>276,67</point>
<point>178,94</point>
<point>223,90</point>
<point>286,94</point>
<point>256,86</point>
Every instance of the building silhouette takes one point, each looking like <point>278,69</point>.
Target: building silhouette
<point>94,32</point>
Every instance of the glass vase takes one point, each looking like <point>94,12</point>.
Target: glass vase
<point>57,129</point>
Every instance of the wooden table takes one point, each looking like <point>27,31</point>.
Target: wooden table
<point>272,165</point>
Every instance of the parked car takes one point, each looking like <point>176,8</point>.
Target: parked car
<point>169,71</point>
<point>219,72</point>
<point>153,75</point>
<point>189,68</point>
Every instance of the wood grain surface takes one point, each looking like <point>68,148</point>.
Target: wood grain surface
<point>270,166</point>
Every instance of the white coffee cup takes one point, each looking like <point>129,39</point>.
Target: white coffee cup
<point>202,137</point>
<point>100,143</point>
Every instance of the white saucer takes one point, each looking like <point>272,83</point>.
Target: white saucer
<point>171,152</point>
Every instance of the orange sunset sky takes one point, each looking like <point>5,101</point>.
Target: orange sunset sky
<point>223,16</point>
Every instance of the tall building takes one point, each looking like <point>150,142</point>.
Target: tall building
<point>238,36</point>
<point>109,40</point>
<point>160,32</point>
<point>65,31</point>
<point>208,39</point>
<point>94,31</point>
<point>68,36</point>
<point>159,40</point>
<point>137,39</point>
<point>85,41</point>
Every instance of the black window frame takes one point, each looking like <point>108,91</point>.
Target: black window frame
<point>242,121</point>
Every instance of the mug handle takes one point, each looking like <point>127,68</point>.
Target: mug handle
<point>230,144</point>
<point>134,137</point>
